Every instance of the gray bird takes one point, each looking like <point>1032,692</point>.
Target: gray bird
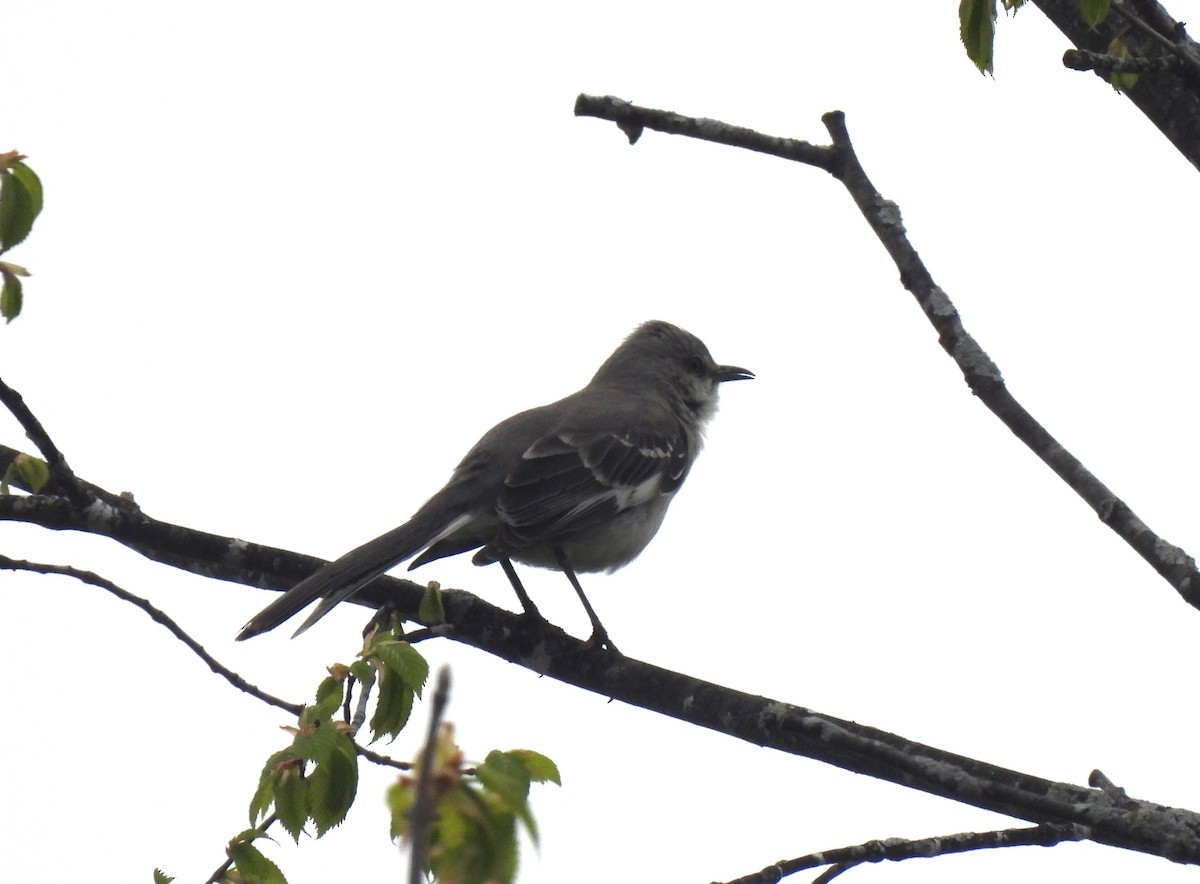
<point>581,484</point>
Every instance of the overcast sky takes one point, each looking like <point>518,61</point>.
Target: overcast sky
<point>296,258</point>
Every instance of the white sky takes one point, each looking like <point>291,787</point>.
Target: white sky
<point>295,259</point>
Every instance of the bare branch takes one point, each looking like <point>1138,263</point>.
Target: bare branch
<point>384,760</point>
<point>632,119</point>
<point>1082,60</point>
<point>158,617</point>
<point>895,849</point>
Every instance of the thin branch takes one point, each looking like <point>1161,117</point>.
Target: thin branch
<point>632,119</point>
<point>383,760</point>
<point>1083,60</point>
<point>896,849</point>
<point>360,711</point>
<point>158,617</point>
<point>981,374</point>
<point>420,817</point>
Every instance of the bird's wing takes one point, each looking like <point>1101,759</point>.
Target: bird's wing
<point>566,482</point>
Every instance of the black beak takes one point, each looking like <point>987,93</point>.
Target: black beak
<point>732,373</point>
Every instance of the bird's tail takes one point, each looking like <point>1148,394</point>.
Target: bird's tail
<point>340,579</point>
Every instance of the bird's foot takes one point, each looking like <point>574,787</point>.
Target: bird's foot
<point>600,639</point>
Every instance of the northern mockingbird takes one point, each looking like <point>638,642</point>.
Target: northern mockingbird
<point>581,484</point>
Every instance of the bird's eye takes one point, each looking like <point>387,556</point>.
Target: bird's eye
<point>694,364</point>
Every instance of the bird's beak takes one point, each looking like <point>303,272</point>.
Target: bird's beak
<point>733,373</point>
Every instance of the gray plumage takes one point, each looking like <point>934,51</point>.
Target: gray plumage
<point>581,484</point>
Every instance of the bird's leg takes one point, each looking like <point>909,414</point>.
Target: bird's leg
<point>526,602</point>
<point>599,633</point>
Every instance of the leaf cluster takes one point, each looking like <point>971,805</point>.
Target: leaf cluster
<point>25,469</point>
<point>472,831</point>
<point>315,779</point>
<point>311,784</point>
<point>20,204</point>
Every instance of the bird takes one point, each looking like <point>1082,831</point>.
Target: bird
<point>581,484</point>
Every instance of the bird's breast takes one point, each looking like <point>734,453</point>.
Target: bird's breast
<point>610,545</point>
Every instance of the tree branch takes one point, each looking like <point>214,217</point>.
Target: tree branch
<point>60,473</point>
<point>1082,60</point>
<point>896,849</point>
<point>981,374</point>
<point>158,617</point>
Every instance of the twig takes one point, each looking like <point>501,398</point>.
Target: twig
<point>158,617</point>
<point>632,119</point>
<point>360,712</point>
<point>1085,60</point>
<point>980,373</point>
<point>384,760</point>
<point>420,817</point>
<point>896,849</point>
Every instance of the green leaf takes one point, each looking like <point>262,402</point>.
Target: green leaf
<point>977,28</point>
<point>20,202</point>
<point>406,661</point>
<point>329,697</point>
<point>1120,49</point>
<point>484,838</point>
<point>11,296</point>
<point>393,706</point>
<point>291,801</point>
<point>333,784</point>
<point>506,776</point>
<point>400,798</point>
<point>33,185</point>
<point>1093,12</point>
<point>252,866</point>
<point>265,792</point>
<point>364,673</point>
<point>33,471</point>
<point>540,768</point>
<point>161,877</point>
<point>431,611</point>
<point>525,815</point>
